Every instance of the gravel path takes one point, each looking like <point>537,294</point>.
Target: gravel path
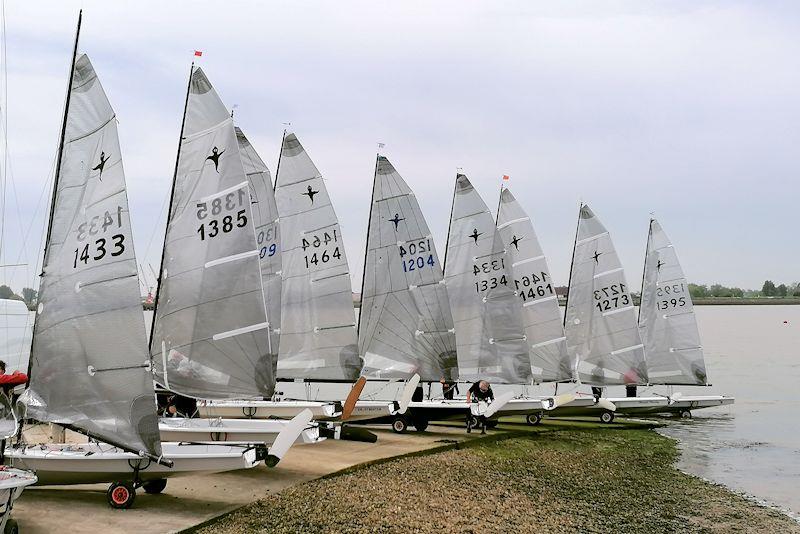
<point>600,480</point>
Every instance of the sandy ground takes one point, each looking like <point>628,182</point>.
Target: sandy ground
<point>192,500</point>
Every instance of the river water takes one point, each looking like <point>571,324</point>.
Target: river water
<point>754,445</point>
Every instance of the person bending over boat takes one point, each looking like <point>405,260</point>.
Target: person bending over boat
<point>9,382</point>
<point>480,391</point>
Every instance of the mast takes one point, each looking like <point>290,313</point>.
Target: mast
<point>55,183</point>
<point>278,166</point>
<point>366,246</point>
<point>449,225</point>
<point>572,264</point>
<point>169,213</point>
<point>644,269</point>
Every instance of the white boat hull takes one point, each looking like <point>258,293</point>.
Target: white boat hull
<point>321,411</point>
<point>91,463</point>
<point>198,430</point>
<point>12,483</point>
<point>650,405</point>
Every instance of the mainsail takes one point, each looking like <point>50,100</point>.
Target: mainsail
<point>405,325</point>
<point>318,331</point>
<point>666,316</point>
<point>600,320</point>
<point>89,356</point>
<point>490,336</point>
<point>210,334</point>
<point>550,360</point>
<point>265,217</point>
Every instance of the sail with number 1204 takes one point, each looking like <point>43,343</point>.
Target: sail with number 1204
<point>405,324</point>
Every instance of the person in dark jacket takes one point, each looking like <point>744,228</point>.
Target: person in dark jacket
<point>480,391</point>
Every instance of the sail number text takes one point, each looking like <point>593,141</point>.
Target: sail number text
<point>612,297</point>
<point>532,286</point>
<point>101,247</point>
<point>420,252</point>
<point>671,296</point>
<point>264,236</point>
<point>211,228</point>
<point>489,267</point>
<point>313,243</point>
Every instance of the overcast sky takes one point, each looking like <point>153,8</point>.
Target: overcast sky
<point>686,109</point>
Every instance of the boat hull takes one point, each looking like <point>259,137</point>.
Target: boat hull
<point>12,483</point>
<point>198,430</point>
<point>321,411</point>
<point>91,463</point>
<point>651,405</point>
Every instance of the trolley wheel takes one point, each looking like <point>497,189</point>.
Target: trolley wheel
<point>492,423</point>
<point>12,527</point>
<point>533,419</point>
<point>421,424</point>
<point>399,424</point>
<point>155,486</point>
<point>606,416</point>
<point>685,414</point>
<point>121,494</point>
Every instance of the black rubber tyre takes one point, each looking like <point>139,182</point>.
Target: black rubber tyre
<point>421,424</point>
<point>399,424</point>
<point>606,417</point>
<point>12,527</point>
<point>154,487</point>
<point>492,423</point>
<point>533,419</point>
<point>121,495</point>
<point>685,414</point>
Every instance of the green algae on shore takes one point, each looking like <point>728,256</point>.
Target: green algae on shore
<point>575,478</point>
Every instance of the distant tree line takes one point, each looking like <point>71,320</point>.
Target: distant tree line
<point>769,289</point>
<point>28,296</point>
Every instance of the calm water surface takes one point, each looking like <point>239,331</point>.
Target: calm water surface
<point>754,445</point>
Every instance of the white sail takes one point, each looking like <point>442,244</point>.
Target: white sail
<point>666,317</point>
<point>550,360</point>
<point>210,335</point>
<point>265,216</point>
<point>600,321</point>
<point>89,356</point>
<point>490,336</point>
<point>405,325</point>
<point>318,331</point>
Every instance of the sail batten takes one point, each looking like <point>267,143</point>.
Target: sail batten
<point>666,317</point>
<point>600,320</point>
<point>405,326</point>
<point>550,361</point>
<point>210,297</point>
<point>89,318</point>
<point>318,334</point>
<point>487,314</point>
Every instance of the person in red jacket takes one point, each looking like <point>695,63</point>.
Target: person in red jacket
<point>9,382</point>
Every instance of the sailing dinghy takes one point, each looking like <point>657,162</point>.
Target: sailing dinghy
<point>212,336</point>
<point>318,343</point>
<point>490,334</point>
<point>600,320</point>
<point>669,331</point>
<point>89,365</point>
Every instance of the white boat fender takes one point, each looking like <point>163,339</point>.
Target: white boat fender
<point>607,404</point>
